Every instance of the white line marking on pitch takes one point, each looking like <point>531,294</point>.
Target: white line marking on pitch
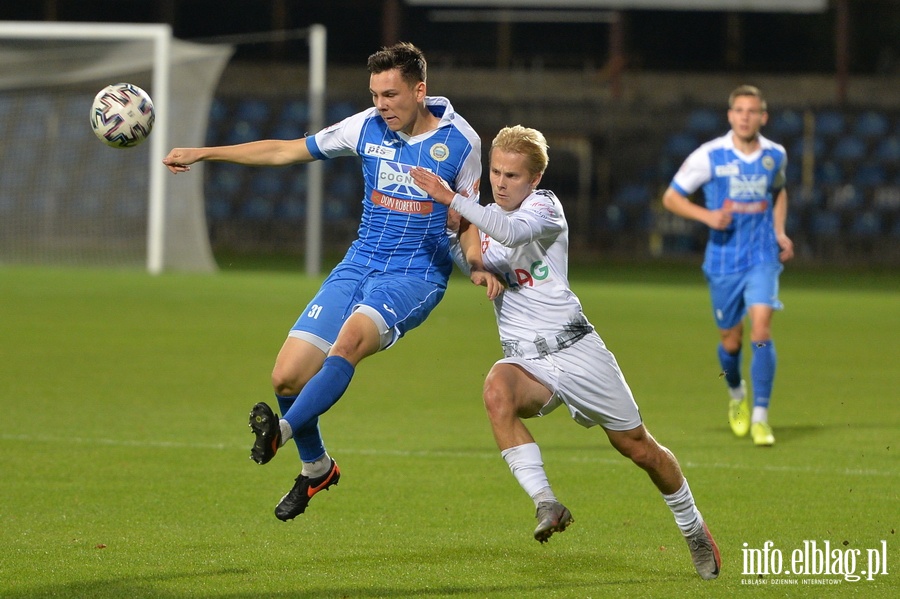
<point>435,454</point>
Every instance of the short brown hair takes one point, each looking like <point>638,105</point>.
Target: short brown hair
<point>747,90</point>
<point>404,57</point>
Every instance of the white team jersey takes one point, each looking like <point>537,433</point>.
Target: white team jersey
<point>538,313</point>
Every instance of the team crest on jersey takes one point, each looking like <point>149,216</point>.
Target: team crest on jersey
<point>768,163</point>
<point>440,152</point>
<point>394,179</point>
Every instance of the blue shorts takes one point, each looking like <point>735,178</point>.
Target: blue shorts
<point>397,304</point>
<point>732,294</point>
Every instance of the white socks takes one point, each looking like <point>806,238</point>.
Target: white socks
<point>760,414</point>
<point>317,468</point>
<point>738,392</point>
<point>286,431</point>
<point>687,517</point>
<point>526,465</point>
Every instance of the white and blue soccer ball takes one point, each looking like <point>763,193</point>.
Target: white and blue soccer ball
<point>122,115</point>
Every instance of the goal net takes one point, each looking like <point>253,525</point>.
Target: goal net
<point>68,199</point>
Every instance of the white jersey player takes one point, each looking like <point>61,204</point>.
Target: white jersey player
<point>539,314</point>
<point>553,355</point>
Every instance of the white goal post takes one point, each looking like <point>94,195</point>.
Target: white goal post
<point>176,236</point>
<point>316,37</point>
<point>316,181</point>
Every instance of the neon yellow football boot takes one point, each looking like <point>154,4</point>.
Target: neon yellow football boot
<point>762,434</point>
<point>739,410</point>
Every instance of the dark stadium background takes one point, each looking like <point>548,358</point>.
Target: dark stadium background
<point>654,39</point>
<point>622,95</point>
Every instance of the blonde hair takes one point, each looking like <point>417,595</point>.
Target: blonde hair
<point>527,142</point>
<point>747,90</point>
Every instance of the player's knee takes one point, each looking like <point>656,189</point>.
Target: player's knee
<point>732,339</point>
<point>284,382</point>
<point>357,341</point>
<point>732,347</point>
<point>497,400</point>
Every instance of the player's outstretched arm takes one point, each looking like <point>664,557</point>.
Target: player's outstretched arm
<point>268,152</point>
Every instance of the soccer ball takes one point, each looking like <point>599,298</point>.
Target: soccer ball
<point>122,115</point>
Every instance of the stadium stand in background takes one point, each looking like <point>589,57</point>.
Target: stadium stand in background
<point>843,181</point>
<point>250,210</point>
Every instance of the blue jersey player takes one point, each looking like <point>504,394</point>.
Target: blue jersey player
<point>742,175</point>
<point>393,274</point>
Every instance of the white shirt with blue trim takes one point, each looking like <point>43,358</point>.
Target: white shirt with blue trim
<point>748,185</point>
<point>402,229</point>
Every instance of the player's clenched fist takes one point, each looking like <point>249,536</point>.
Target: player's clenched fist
<point>179,159</point>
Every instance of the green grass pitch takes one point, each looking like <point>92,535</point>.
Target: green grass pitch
<point>125,471</point>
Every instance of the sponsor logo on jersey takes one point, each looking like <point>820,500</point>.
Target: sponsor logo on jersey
<point>380,151</point>
<point>401,205</point>
<point>536,274</point>
<point>728,170</point>
<point>394,179</point>
<point>748,186</point>
<point>440,152</point>
<point>546,209</point>
<point>331,128</point>
<point>746,207</point>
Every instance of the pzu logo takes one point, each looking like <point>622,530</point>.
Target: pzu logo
<point>537,272</point>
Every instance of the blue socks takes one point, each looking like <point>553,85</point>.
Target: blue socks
<point>731,366</point>
<point>308,440</point>
<point>762,371</point>
<point>320,393</point>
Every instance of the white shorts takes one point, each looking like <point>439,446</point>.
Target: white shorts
<point>587,379</point>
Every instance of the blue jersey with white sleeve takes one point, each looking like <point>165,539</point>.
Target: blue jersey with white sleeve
<point>747,185</point>
<point>402,229</point>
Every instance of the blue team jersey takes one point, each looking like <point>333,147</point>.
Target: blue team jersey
<point>748,184</point>
<point>403,230</point>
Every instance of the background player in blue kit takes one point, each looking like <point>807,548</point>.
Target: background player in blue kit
<point>743,175</point>
<point>393,274</point>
